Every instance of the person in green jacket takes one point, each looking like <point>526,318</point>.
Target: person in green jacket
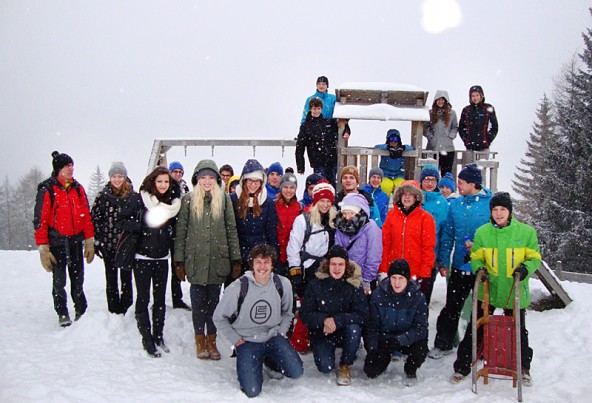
<point>206,246</point>
<point>502,248</point>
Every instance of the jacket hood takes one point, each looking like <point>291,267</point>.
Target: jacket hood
<point>408,186</point>
<point>206,164</point>
<point>355,279</point>
<point>356,199</point>
<point>441,94</point>
<point>253,169</point>
<point>479,89</point>
<point>232,179</point>
<point>483,193</point>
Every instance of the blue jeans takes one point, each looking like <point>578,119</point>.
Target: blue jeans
<point>324,348</point>
<point>328,173</point>
<point>277,353</point>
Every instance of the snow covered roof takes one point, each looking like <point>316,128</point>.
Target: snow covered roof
<point>381,112</point>
<point>379,86</point>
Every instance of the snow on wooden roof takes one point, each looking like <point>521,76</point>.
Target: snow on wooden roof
<point>381,101</point>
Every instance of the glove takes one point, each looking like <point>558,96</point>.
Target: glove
<point>236,270</point>
<point>180,271</point>
<point>297,280</point>
<point>485,273</point>
<point>522,270</point>
<point>47,259</point>
<point>89,249</point>
<point>397,151</point>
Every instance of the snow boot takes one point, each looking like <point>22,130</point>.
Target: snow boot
<point>64,320</point>
<point>212,348</point>
<point>159,342</point>
<point>526,378</point>
<point>410,380</point>
<point>344,375</point>
<point>181,305</point>
<point>457,377</point>
<point>78,316</point>
<point>437,353</point>
<point>200,344</point>
<point>150,347</point>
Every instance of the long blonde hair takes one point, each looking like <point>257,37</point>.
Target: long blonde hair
<point>198,196</point>
<point>315,215</point>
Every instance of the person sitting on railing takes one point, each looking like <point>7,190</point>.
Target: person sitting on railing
<point>393,165</point>
<point>502,248</point>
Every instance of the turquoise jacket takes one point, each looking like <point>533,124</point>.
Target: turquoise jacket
<point>435,204</point>
<point>328,105</point>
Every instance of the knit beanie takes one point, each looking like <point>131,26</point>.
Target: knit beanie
<point>289,179</point>
<point>501,199</point>
<point>471,174</point>
<point>275,167</point>
<point>337,251</point>
<point>323,79</point>
<point>448,181</point>
<point>323,190</point>
<point>429,170</point>
<point>355,202</point>
<point>479,89</point>
<point>60,161</point>
<point>400,267</point>
<point>313,179</point>
<point>117,168</point>
<point>253,169</point>
<point>176,165</point>
<point>376,171</point>
<point>351,170</point>
<point>393,135</point>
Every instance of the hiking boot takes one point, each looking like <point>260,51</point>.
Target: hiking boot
<point>212,348</point>
<point>181,305</point>
<point>159,342</point>
<point>344,375</point>
<point>437,353</point>
<point>457,377</point>
<point>64,320</point>
<point>200,346</point>
<point>410,380</point>
<point>526,378</point>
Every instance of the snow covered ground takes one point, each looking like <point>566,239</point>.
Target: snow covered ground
<point>100,358</point>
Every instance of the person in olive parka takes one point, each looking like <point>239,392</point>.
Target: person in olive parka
<point>206,246</point>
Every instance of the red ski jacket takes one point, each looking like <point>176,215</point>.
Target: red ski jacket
<point>62,209</point>
<point>286,215</point>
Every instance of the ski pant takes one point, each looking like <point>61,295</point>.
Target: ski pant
<point>378,360</point>
<point>459,286</point>
<point>146,273</point>
<point>69,256</point>
<point>464,354</point>
<point>388,185</point>
<point>204,300</point>
<point>176,291</point>
<point>323,347</point>
<point>276,353</point>
<point>117,302</point>
<point>445,162</point>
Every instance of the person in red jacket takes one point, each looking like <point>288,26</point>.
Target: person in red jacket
<point>62,223</point>
<point>409,233</point>
<point>287,208</point>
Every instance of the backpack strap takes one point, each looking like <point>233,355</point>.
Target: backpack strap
<point>244,289</point>
<point>278,285</point>
<point>304,255</point>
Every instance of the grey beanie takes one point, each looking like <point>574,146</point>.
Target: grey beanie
<point>375,171</point>
<point>117,168</point>
<point>289,179</point>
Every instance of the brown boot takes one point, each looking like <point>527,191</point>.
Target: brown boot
<point>344,375</point>
<point>200,343</point>
<point>211,346</point>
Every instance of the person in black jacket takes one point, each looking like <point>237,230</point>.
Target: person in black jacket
<point>398,323</point>
<point>334,310</point>
<point>107,219</point>
<point>477,126</point>
<point>318,136</point>
<point>159,203</point>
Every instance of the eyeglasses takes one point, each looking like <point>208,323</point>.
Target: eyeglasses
<point>225,175</point>
<point>430,180</point>
<point>177,171</point>
<point>249,180</point>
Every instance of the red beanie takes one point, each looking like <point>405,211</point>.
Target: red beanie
<point>323,190</point>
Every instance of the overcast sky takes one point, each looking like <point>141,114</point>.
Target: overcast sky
<point>100,80</point>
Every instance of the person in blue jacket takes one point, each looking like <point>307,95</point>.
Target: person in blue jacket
<point>435,204</point>
<point>397,323</point>
<point>322,93</point>
<point>381,199</point>
<point>274,178</point>
<point>393,165</point>
<point>465,215</point>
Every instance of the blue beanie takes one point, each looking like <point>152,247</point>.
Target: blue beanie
<point>471,174</point>
<point>448,181</point>
<point>275,167</point>
<point>176,165</point>
<point>253,169</point>
<point>393,135</point>
<point>313,179</point>
<point>429,170</point>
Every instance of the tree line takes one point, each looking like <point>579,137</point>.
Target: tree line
<point>554,179</point>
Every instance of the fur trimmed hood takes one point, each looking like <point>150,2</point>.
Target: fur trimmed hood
<point>355,279</point>
<point>411,187</point>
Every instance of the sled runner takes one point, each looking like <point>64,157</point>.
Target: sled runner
<point>501,350</point>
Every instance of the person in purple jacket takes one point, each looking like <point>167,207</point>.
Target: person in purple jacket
<point>361,236</point>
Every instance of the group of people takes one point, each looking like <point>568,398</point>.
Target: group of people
<point>278,276</point>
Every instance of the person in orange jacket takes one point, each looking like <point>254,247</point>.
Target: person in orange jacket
<point>409,233</point>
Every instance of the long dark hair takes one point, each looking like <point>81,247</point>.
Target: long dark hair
<point>443,112</point>
<point>149,186</point>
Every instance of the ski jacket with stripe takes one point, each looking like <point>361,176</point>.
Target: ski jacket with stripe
<point>477,126</point>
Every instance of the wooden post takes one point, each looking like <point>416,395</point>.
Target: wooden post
<point>416,141</point>
<point>363,170</point>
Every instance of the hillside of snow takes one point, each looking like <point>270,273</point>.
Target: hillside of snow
<point>100,358</point>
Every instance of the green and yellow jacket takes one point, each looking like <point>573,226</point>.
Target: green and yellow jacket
<point>501,251</point>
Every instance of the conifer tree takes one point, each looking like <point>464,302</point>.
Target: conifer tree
<point>96,184</point>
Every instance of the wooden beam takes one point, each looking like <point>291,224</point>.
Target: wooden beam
<point>545,274</point>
